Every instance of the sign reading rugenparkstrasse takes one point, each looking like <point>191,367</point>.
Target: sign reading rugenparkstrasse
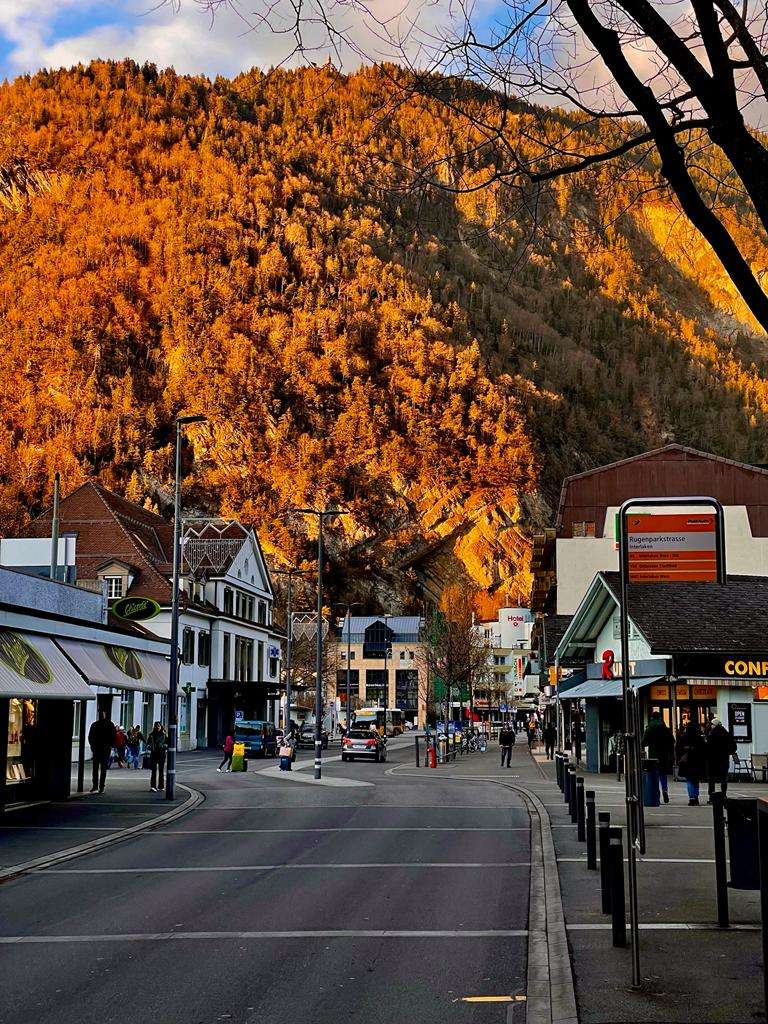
<point>672,548</point>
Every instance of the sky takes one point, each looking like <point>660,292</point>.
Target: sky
<point>56,33</point>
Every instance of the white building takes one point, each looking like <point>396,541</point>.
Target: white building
<point>509,649</point>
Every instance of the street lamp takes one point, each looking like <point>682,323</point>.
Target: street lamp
<point>349,605</point>
<point>290,574</point>
<point>173,680</point>
<point>322,515</point>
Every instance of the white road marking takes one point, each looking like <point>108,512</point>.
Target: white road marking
<point>277,867</point>
<point>342,828</point>
<point>10,940</point>
<point>665,926</point>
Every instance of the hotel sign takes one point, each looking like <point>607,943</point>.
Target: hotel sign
<point>672,548</point>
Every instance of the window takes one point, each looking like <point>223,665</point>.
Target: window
<point>375,685</point>
<point>204,648</point>
<point>273,665</point>
<point>260,663</point>
<point>226,655</point>
<point>147,708</point>
<point>341,684</point>
<point>243,659</point>
<point>188,646</point>
<point>126,708</point>
<point>251,609</point>
<point>407,689</point>
<point>183,714</point>
<point>114,586</point>
<point>351,655</point>
<point>238,604</point>
<point>227,601</point>
<point>164,710</point>
<point>263,612</point>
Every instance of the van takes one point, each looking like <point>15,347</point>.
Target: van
<point>259,738</point>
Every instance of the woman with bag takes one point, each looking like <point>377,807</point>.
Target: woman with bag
<point>157,745</point>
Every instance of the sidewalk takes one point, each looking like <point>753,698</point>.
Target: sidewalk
<point>36,835</point>
<point>692,972</point>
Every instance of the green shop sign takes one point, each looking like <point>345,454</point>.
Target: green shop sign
<point>136,609</point>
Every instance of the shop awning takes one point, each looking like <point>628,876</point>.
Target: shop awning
<point>33,666</point>
<point>123,668</point>
<point>606,687</point>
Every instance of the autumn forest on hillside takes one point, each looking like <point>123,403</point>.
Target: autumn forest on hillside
<point>263,250</point>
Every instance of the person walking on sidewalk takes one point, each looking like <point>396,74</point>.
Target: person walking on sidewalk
<point>532,733</point>
<point>101,737</point>
<point>660,742</point>
<point>691,759</point>
<point>720,746</point>
<point>550,738</point>
<point>578,739</point>
<point>229,747</point>
<point>157,747</point>
<point>506,742</point>
<point>135,739</point>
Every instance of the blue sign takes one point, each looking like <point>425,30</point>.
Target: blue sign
<point>239,716</point>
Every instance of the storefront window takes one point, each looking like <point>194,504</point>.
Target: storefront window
<point>22,731</point>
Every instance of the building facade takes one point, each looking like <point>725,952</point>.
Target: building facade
<point>230,651</point>
<point>509,686</point>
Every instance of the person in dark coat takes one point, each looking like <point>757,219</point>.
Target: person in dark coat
<point>692,759</point>
<point>550,738</point>
<point>506,742</point>
<point>720,746</point>
<point>660,742</point>
<point>157,747</point>
<point>101,737</point>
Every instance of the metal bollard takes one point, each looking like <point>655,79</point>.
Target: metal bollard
<point>581,825</point>
<point>604,823</point>
<point>591,831</point>
<point>572,792</point>
<point>721,870</point>
<point>616,876</point>
<point>573,806</point>
<point>559,769</point>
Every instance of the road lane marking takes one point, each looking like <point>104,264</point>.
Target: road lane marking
<point>276,867</point>
<point>501,933</point>
<point>491,999</point>
<point>645,860</point>
<point>340,828</point>
<point>668,926</point>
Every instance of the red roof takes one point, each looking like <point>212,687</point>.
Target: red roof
<point>108,527</point>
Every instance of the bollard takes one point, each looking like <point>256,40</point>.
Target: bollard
<point>581,825</point>
<point>721,870</point>
<point>616,878</point>
<point>572,793</point>
<point>604,823</point>
<point>559,769</point>
<point>591,831</point>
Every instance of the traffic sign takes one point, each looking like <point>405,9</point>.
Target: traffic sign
<point>672,547</point>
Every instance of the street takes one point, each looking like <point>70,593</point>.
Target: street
<point>283,901</point>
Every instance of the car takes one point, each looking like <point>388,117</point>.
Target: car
<point>306,737</point>
<point>363,743</point>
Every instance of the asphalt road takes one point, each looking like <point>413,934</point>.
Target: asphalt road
<point>281,902</point>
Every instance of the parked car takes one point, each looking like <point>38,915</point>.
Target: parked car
<point>363,743</point>
<point>260,738</point>
<point>306,736</point>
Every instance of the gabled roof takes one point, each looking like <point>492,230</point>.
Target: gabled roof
<point>399,624</point>
<point>651,455</point>
<point>109,527</point>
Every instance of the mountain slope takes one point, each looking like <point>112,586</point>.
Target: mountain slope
<point>253,249</point>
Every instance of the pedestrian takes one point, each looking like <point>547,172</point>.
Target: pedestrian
<point>101,737</point>
<point>660,742</point>
<point>532,733</point>
<point>550,738</point>
<point>157,745</point>
<point>506,742</point>
<point>228,748</point>
<point>578,739</point>
<point>286,754</point>
<point>120,745</point>
<point>720,746</point>
<point>691,759</point>
<point>134,739</point>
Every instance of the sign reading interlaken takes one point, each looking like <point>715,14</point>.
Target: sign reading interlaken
<point>672,548</point>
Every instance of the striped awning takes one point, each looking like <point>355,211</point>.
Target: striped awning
<point>33,666</point>
<point>123,668</point>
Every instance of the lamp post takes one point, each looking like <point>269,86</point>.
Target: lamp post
<point>385,695</point>
<point>322,515</point>
<point>349,605</point>
<point>173,679</point>
<point>289,574</point>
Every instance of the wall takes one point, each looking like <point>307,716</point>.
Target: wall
<point>17,588</point>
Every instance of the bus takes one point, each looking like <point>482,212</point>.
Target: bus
<point>364,718</point>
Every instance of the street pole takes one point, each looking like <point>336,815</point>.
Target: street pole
<point>322,515</point>
<point>173,676</point>
<point>289,574</point>
<point>385,696</point>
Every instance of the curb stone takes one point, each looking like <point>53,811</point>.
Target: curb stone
<point>194,799</point>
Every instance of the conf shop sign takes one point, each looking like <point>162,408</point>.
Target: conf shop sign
<point>746,667</point>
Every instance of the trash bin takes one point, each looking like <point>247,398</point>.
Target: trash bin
<point>743,847</point>
<point>650,783</point>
